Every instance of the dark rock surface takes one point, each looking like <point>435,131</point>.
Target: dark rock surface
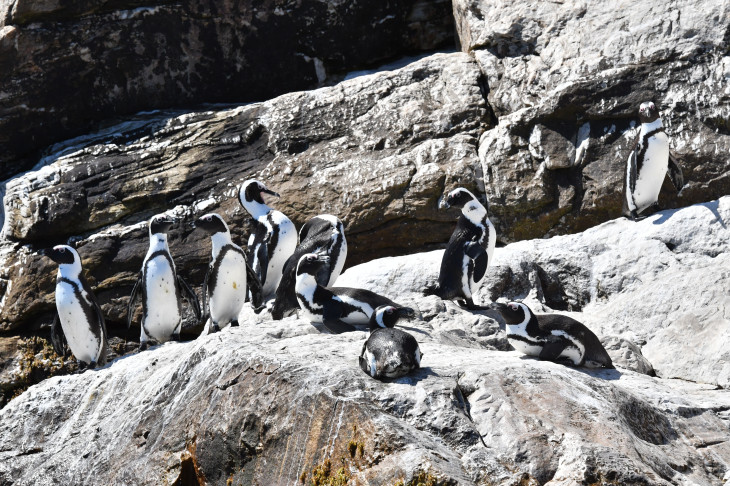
<point>65,65</point>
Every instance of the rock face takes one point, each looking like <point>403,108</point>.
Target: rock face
<point>392,141</point>
<point>276,402</point>
<point>565,81</point>
<point>67,64</point>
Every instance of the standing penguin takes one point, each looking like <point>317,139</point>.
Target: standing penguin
<point>81,321</point>
<point>389,352</point>
<point>469,252</point>
<point>323,234</point>
<point>274,238</point>
<point>225,285</point>
<point>337,307</point>
<point>162,289</point>
<point>552,337</point>
<point>648,163</point>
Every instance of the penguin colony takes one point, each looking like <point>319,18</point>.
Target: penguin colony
<point>286,272</point>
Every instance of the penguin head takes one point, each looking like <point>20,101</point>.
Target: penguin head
<point>310,263</point>
<point>513,312</point>
<point>161,224</point>
<point>251,194</point>
<point>387,316</point>
<point>648,112</point>
<point>65,256</point>
<point>459,198</point>
<point>212,223</point>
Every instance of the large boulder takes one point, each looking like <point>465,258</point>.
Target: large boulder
<point>277,402</point>
<point>65,65</point>
<point>378,151</point>
<point>565,81</point>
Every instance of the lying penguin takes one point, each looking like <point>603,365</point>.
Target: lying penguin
<point>162,289</point>
<point>336,307</point>
<point>552,337</point>
<point>389,352</point>
<point>228,278</point>
<point>82,324</point>
<point>469,252</point>
<point>322,234</point>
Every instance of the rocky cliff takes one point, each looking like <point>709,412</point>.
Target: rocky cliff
<point>282,402</point>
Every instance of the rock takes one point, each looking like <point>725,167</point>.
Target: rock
<point>66,65</point>
<point>626,354</point>
<point>378,151</point>
<point>565,82</point>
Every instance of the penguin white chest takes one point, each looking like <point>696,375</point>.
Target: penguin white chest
<point>229,294</point>
<point>286,236</point>
<point>163,311</point>
<point>84,345</point>
<point>651,176</point>
<point>305,288</point>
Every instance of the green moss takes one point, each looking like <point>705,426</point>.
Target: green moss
<point>38,361</point>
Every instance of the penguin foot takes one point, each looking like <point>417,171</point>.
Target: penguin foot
<point>216,328</point>
<point>234,323</point>
<point>469,304</point>
<point>142,346</point>
<point>433,289</point>
<point>175,337</point>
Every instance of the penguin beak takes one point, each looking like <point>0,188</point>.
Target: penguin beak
<point>406,313</point>
<point>269,191</point>
<point>444,204</point>
<point>498,306</point>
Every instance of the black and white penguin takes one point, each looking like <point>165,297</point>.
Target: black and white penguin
<point>274,238</point>
<point>323,234</point>
<point>469,252</point>
<point>225,286</point>
<point>81,321</point>
<point>552,337</point>
<point>389,352</point>
<point>162,289</point>
<point>336,307</point>
<point>648,163</point>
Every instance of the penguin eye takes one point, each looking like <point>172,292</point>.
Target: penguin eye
<point>389,310</point>
<point>311,258</point>
<point>62,250</point>
<point>514,307</point>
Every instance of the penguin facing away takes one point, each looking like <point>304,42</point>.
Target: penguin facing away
<point>323,234</point>
<point>228,278</point>
<point>389,352</point>
<point>552,337</point>
<point>274,238</point>
<point>648,163</point>
<point>336,307</point>
<point>162,289</point>
<point>469,251</point>
<point>82,324</point>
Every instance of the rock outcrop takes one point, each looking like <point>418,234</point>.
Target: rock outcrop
<point>565,81</point>
<point>66,65</point>
<point>378,151</point>
<point>277,402</point>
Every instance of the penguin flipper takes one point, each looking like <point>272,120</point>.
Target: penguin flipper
<point>132,300</point>
<point>254,285</point>
<point>331,318</point>
<point>189,295</point>
<point>476,252</point>
<point>205,292</point>
<point>58,340</point>
<point>631,183</point>
<point>552,349</point>
<point>263,259</point>
<point>675,172</point>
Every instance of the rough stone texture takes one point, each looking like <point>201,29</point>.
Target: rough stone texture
<point>565,81</point>
<point>378,151</point>
<point>271,400</point>
<point>65,65</point>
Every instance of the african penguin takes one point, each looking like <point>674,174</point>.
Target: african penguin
<point>225,285</point>
<point>469,252</point>
<point>274,238</point>
<point>162,289</point>
<point>648,163</point>
<point>323,234</point>
<point>336,307</point>
<point>552,337</point>
<point>389,352</point>
<point>81,321</point>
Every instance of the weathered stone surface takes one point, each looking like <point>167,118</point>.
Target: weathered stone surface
<point>378,151</point>
<point>65,65</point>
<point>566,80</point>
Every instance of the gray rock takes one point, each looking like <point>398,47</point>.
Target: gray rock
<point>626,354</point>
